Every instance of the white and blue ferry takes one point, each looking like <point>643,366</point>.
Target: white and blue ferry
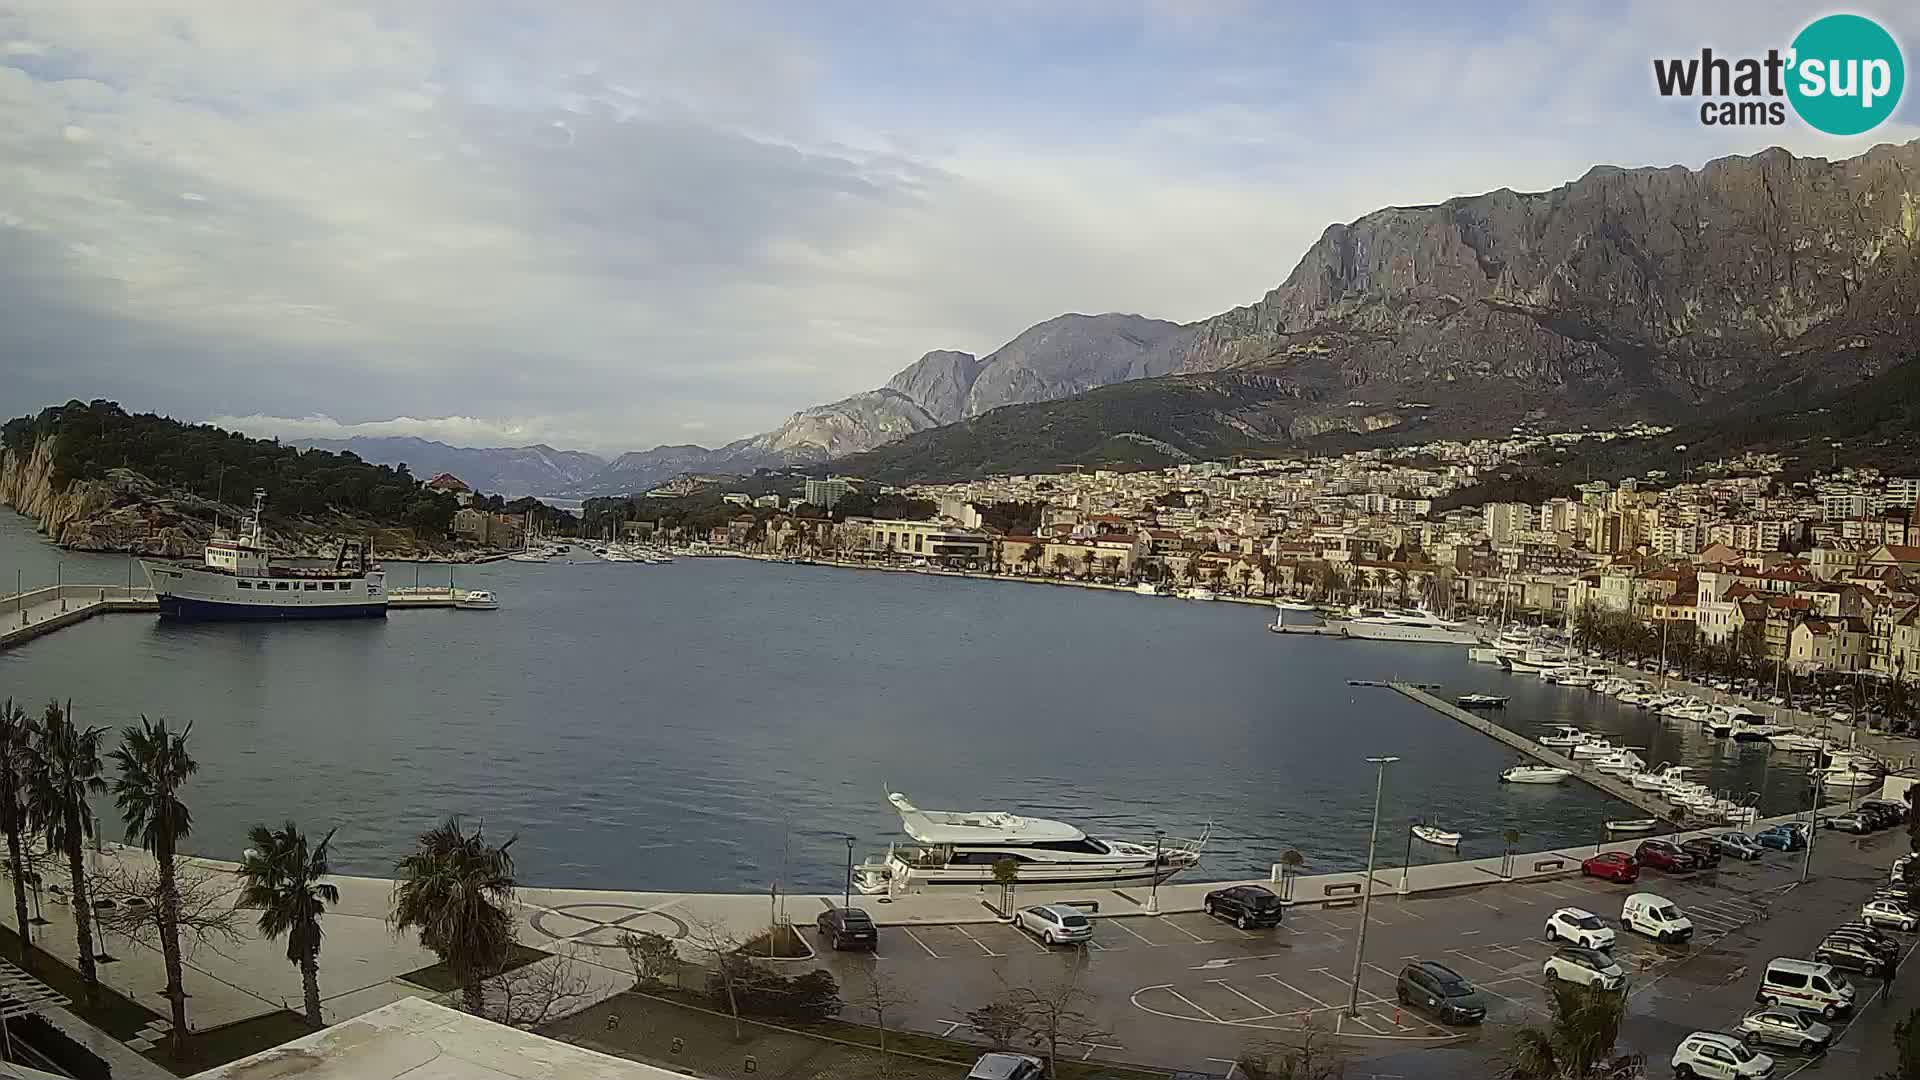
<point>239,580</point>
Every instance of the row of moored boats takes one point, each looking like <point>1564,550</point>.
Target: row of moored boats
<point>605,552</point>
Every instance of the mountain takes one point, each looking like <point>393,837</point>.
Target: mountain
<point>510,471</point>
<point>1627,294</point>
<point>1055,359</point>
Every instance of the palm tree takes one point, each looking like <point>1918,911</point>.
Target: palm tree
<point>454,890</point>
<point>16,744</point>
<point>1290,863</point>
<point>63,770</point>
<point>283,879</point>
<point>1577,1043</point>
<point>153,764</point>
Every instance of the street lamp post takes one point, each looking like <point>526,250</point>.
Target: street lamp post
<point>1153,883</point>
<point>1813,824</point>
<point>1366,893</point>
<point>1406,865</point>
<point>846,899</point>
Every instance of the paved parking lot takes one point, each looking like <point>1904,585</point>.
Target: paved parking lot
<point>1189,991</point>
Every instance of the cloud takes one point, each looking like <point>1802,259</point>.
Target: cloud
<point>607,225</point>
<point>455,430</point>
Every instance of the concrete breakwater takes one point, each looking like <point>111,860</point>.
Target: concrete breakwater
<point>1581,770</point>
<point>27,615</point>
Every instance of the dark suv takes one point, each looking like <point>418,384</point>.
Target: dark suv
<point>1435,986</point>
<point>1851,953</point>
<point>1706,853</point>
<point>1663,855</point>
<point>1245,906</point>
<point>847,928</point>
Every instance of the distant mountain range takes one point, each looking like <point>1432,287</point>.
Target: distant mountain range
<point>1628,294</point>
<point>509,471</point>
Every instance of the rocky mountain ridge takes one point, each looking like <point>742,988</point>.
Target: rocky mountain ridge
<point>1627,294</point>
<point>511,471</point>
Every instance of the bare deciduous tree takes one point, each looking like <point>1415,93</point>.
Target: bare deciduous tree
<point>529,996</point>
<point>721,948</point>
<point>1311,1055</point>
<point>882,995</point>
<point>128,893</point>
<point>1057,1012</point>
<point>1000,1022</point>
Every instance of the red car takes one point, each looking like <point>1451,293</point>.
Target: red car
<point>1612,865</point>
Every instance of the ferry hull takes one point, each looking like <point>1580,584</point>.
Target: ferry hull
<point>186,609</point>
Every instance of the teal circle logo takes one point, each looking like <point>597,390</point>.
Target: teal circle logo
<point>1847,74</point>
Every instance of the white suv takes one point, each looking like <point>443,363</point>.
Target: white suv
<point>1577,926</point>
<point>1588,967</point>
<point>1713,1056</point>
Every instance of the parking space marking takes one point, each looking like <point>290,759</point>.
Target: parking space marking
<point>1262,1006</point>
<point>1189,933</point>
<point>1367,997</point>
<point>1488,988</point>
<point>916,940</point>
<point>1123,926</point>
<point>1096,946</point>
<point>1297,990</point>
<point>1475,959</point>
<point>1344,1018</point>
<point>1189,1003</point>
<point>976,941</point>
<point>1482,903</point>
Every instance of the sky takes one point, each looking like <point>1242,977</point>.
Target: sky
<point>606,225</point>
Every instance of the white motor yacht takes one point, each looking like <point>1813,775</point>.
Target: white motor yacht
<point>1534,774</point>
<point>958,848</point>
<point>1563,735</point>
<point>1197,592</point>
<point>477,600</point>
<point>1414,627</point>
<point>1595,748</point>
<point>1795,742</point>
<point>1621,763</point>
<point>1650,779</point>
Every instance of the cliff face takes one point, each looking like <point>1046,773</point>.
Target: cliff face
<point>1666,287</point>
<point>121,512</point>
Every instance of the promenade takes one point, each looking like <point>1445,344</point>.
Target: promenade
<point>27,615</point>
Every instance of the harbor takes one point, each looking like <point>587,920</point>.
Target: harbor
<point>1580,770</point>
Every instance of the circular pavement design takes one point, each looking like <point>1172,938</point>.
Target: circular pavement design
<point>600,925</point>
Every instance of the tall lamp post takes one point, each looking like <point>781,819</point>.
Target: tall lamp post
<point>1366,893</point>
<point>846,900</point>
<point>1153,883</point>
<point>1406,866</point>
<point>1813,824</point>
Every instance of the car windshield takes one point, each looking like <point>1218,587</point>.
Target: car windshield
<point>1668,913</point>
<point>1263,900</point>
<point>1585,922</point>
<point>1739,1051</point>
<point>1455,987</point>
<point>855,919</point>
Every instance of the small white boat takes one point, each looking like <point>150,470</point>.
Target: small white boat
<point>1484,654</point>
<point>477,600</point>
<point>1595,748</point>
<point>1534,774</point>
<point>1633,825</point>
<point>1621,763</point>
<point>1437,836</point>
<point>1563,735</point>
<point>1481,701</point>
<point>1197,592</point>
<point>1794,742</point>
<point>1148,588</point>
<point>1850,778</point>
<point>1647,781</point>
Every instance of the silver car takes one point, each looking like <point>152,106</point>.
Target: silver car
<point>1055,924</point>
<point>1783,1026</point>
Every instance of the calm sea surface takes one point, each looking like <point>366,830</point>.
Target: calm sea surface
<point>717,724</point>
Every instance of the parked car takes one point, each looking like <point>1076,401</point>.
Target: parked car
<point>1007,1067</point>
<point>1872,937</point>
<point>1588,967</point>
<point>1706,853</point>
<point>847,928</point>
<point>1850,953</point>
<point>1435,986</point>
<point>1900,898</point>
<point>1612,865</point>
<point>1245,906</point>
<point>1899,870</point>
<point>1893,808</point>
<point>1786,1026</point>
<point>1578,926</point>
<point>1780,839</point>
<point>1055,924</point>
<point>1709,1054</point>
<point>1851,823</point>
<point>1663,855</point>
<point>1738,845</point>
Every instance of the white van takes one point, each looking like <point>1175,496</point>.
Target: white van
<point>1804,984</point>
<point>1656,917</point>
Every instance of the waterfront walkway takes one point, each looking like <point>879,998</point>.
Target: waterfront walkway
<point>27,615</point>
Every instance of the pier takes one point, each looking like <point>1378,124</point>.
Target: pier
<point>28,615</point>
<point>1625,792</point>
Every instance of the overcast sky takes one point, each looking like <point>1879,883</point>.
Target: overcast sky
<point>610,224</point>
